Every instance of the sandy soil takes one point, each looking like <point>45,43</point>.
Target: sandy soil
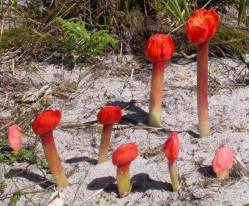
<point>80,94</point>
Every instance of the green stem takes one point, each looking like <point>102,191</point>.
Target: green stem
<point>123,180</point>
<point>223,175</point>
<point>173,175</point>
<point>202,88</point>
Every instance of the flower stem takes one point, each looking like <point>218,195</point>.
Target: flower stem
<point>173,176</point>
<point>202,88</point>
<point>104,143</point>
<point>123,180</point>
<point>156,94</point>
<point>223,175</point>
<point>53,159</point>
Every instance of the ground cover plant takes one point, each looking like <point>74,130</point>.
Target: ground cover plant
<point>101,109</point>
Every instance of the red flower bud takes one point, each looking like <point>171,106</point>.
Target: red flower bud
<point>160,48</point>
<point>15,137</point>
<point>172,146</point>
<point>202,25</point>
<point>223,159</point>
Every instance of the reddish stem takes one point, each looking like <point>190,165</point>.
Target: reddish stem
<point>156,94</point>
<point>202,88</point>
<point>105,142</point>
<point>53,159</point>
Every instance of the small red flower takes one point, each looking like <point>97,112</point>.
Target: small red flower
<point>15,137</point>
<point>46,121</point>
<point>172,146</point>
<point>124,154</point>
<point>223,159</point>
<point>110,115</point>
<point>159,48</point>
<point>202,25</point>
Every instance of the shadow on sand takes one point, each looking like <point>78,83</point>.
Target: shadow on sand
<point>40,180</point>
<point>81,159</point>
<point>140,183</point>
<point>135,114</point>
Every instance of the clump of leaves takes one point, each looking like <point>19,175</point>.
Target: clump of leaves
<point>231,40</point>
<point>83,42</point>
<point>2,186</point>
<point>7,156</point>
<point>15,198</point>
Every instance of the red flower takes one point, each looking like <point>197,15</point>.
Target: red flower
<point>202,25</point>
<point>159,48</point>
<point>223,159</point>
<point>46,121</point>
<point>124,154</point>
<point>172,146</point>
<point>110,115</point>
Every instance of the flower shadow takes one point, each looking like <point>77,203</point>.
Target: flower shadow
<point>206,171</point>
<point>143,182</point>
<point>105,183</point>
<point>135,114</point>
<point>40,180</point>
<point>81,159</point>
<point>140,183</point>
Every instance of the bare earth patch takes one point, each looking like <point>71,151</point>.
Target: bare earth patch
<point>125,81</point>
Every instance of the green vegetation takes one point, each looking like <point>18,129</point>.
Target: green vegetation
<point>88,28</point>
<point>231,40</point>
<point>77,39</point>
<point>15,198</point>
<point>7,156</point>
<point>25,155</point>
<point>2,186</point>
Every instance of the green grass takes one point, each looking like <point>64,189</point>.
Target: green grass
<point>228,37</point>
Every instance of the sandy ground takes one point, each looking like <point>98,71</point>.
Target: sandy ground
<point>80,94</point>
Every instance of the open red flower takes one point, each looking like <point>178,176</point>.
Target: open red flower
<point>223,159</point>
<point>159,48</point>
<point>46,121</point>
<point>124,154</point>
<point>172,146</point>
<point>110,115</point>
<point>202,25</point>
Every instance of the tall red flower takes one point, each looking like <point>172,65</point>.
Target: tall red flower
<point>200,28</point>
<point>202,25</point>
<point>160,48</point>
<point>43,125</point>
